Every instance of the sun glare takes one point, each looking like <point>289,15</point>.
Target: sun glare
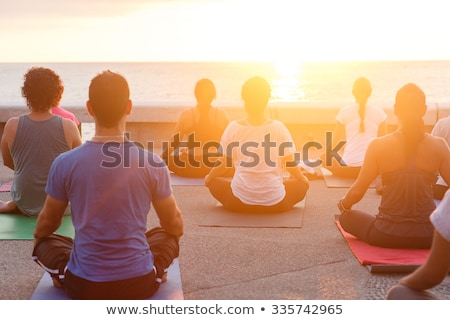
<point>287,81</point>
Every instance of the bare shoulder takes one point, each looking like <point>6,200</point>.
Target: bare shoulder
<point>9,131</point>
<point>221,112</point>
<point>382,141</point>
<point>14,121</point>
<point>187,112</point>
<point>11,125</point>
<point>222,116</point>
<point>383,145</point>
<point>71,133</point>
<point>69,124</point>
<point>435,142</point>
<point>187,116</point>
<point>185,120</point>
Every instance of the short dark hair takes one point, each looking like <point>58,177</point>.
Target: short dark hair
<point>42,88</point>
<point>205,90</point>
<point>256,93</point>
<point>109,94</point>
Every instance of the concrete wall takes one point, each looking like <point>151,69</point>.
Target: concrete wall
<point>306,121</point>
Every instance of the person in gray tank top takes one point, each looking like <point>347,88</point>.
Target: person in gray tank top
<point>32,141</point>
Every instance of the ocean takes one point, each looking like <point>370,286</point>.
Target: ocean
<point>172,83</point>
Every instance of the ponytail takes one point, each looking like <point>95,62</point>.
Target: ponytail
<point>362,89</point>
<point>362,112</point>
<point>410,107</point>
<point>413,133</point>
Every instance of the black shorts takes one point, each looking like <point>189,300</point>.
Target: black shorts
<point>53,253</point>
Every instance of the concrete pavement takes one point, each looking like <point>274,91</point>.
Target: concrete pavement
<point>312,263</point>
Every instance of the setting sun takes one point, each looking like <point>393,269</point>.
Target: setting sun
<point>178,154</point>
<point>287,83</point>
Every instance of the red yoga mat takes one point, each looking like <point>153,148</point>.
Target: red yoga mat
<point>6,187</point>
<point>371,255</point>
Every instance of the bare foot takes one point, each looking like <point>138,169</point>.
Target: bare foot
<point>7,206</point>
<point>56,283</point>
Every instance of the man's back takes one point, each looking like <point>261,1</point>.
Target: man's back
<point>110,187</point>
<point>110,184</point>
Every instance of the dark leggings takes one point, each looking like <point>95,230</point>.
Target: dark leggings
<point>364,227</point>
<point>164,247</point>
<point>220,189</point>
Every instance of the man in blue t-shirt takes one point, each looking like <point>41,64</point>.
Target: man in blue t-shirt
<point>110,184</point>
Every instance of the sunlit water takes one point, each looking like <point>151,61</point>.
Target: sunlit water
<point>172,83</point>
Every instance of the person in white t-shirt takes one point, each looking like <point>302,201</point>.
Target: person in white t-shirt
<point>441,129</point>
<point>435,269</point>
<point>257,151</point>
<point>357,124</point>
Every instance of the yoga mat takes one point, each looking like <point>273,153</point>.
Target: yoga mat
<point>333,181</point>
<point>169,290</point>
<point>219,217</point>
<point>14,226</point>
<point>384,260</point>
<point>182,181</point>
<point>6,187</point>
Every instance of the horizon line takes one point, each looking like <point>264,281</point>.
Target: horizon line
<point>228,61</point>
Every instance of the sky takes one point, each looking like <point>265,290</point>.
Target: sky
<point>223,30</point>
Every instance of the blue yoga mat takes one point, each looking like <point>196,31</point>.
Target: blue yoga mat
<point>169,290</point>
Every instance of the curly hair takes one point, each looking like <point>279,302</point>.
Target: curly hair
<point>42,89</point>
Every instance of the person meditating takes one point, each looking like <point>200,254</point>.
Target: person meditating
<point>111,184</point>
<point>357,124</point>
<point>257,150</point>
<point>32,141</point>
<point>408,160</point>
<point>434,271</point>
<point>198,129</point>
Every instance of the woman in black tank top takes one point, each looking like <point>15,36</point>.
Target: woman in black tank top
<point>408,161</point>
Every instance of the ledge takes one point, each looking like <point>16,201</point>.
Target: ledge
<point>289,113</point>
<point>154,124</point>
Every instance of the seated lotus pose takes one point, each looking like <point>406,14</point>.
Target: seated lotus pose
<point>257,150</point>
<point>441,129</point>
<point>196,135</point>
<point>32,141</point>
<point>357,124</point>
<point>110,184</point>
<point>435,269</point>
<point>408,160</point>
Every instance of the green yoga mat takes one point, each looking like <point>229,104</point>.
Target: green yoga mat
<point>15,226</point>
